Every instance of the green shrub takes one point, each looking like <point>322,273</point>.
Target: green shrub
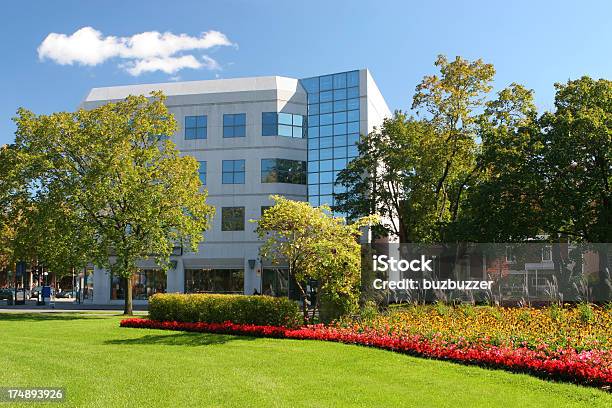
<point>213,308</point>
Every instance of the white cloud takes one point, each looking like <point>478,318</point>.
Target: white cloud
<point>145,52</point>
<point>169,65</point>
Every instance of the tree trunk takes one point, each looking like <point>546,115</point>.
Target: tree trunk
<point>127,309</point>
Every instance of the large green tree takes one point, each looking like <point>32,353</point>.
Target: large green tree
<point>108,186</point>
<point>414,172</point>
<point>503,204</point>
<point>576,164</point>
<point>314,245</point>
<point>394,177</point>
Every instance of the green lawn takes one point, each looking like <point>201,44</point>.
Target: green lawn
<point>103,365</point>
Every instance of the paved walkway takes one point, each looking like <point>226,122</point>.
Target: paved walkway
<point>64,307</point>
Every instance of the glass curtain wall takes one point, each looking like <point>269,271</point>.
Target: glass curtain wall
<point>333,131</point>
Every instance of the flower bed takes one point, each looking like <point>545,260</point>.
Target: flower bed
<point>593,367</point>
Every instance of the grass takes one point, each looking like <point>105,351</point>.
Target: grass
<point>103,365</point>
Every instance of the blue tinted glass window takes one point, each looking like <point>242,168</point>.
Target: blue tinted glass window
<point>326,200</point>
<point>313,189</point>
<point>313,154</point>
<point>353,138</point>
<point>339,106</point>
<point>313,97</point>
<point>285,130</point>
<point>313,143</point>
<point>339,188</point>
<point>339,164</point>
<point>325,130</point>
<point>339,128</point>
<point>340,140</point>
<point>353,151</point>
<point>313,120</point>
<point>325,142</point>
<point>313,131</point>
<point>339,117</point>
<point>352,78</point>
<point>325,154</point>
<point>313,166</point>
<point>190,121</point>
<point>233,171</point>
<point>326,165</point>
<point>340,151</point>
<point>339,94</point>
<point>282,124</point>
<point>202,172</point>
<point>313,109</point>
<point>269,118</point>
<point>196,127</point>
<point>313,178</point>
<point>313,200</point>
<point>326,119</point>
<point>234,125</point>
<point>326,107</point>
<point>326,177</point>
<point>326,96</point>
<point>340,80</point>
<point>352,92</point>
<point>311,84</point>
<point>325,83</point>
<point>352,104</point>
<point>325,189</point>
<point>352,115</point>
<point>353,127</point>
<point>269,130</point>
<point>269,125</point>
<point>240,119</point>
<point>285,119</point>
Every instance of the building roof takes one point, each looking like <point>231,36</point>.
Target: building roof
<point>196,87</point>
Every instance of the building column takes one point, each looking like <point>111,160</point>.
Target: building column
<point>101,286</point>
<point>176,278</point>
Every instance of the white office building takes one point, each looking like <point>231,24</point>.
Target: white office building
<point>253,137</point>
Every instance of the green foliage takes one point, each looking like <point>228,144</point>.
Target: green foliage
<point>212,308</point>
<point>315,246</point>
<point>585,311</point>
<point>104,185</point>
<point>418,170</point>
<point>369,311</point>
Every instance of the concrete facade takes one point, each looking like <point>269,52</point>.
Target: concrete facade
<point>234,250</point>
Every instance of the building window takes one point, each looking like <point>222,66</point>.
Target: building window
<point>234,125</point>
<point>214,280</point>
<point>283,171</point>
<point>282,124</point>
<point>196,127</point>
<point>202,172</point>
<point>232,219</point>
<point>233,172</point>
<point>145,283</point>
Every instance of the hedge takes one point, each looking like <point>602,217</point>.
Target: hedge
<point>214,308</point>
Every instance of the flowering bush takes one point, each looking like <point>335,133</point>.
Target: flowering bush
<point>588,365</point>
<point>584,327</point>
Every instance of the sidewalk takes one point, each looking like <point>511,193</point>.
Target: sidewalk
<point>64,307</point>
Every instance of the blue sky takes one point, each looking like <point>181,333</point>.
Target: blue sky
<point>535,43</point>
